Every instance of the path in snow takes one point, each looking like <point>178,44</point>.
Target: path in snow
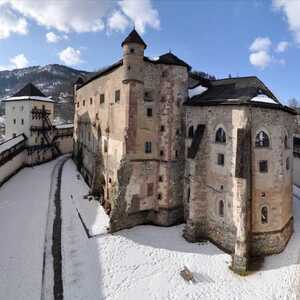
<point>23,215</point>
<point>52,285</point>
<point>145,262</point>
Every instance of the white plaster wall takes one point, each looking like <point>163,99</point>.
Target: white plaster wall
<point>17,110</point>
<point>12,166</point>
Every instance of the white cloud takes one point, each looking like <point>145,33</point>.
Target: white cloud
<point>291,9</point>
<point>260,59</point>
<point>141,13</point>
<point>17,62</point>
<point>70,56</point>
<point>261,44</point>
<point>117,21</point>
<point>11,23</point>
<point>52,37</point>
<point>282,46</point>
<point>66,16</point>
<point>77,15</point>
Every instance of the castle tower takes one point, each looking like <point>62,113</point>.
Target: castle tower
<point>133,57</point>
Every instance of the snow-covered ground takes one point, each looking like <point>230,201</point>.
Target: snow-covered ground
<point>145,262</point>
<point>23,215</point>
<point>140,263</point>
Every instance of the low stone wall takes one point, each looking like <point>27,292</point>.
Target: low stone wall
<point>11,167</point>
<point>273,242</point>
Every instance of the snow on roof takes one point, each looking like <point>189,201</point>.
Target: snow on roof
<point>263,98</point>
<point>11,143</point>
<point>33,98</point>
<point>198,90</point>
<point>64,126</point>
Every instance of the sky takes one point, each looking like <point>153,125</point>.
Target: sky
<point>220,37</point>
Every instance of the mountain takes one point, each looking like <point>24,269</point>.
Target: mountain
<point>53,80</point>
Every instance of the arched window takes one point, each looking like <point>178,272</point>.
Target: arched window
<point>191,132</point>
<point>286,143</point>
<point>220,136</point>
<point>262,140</point>
<point>221,208</point>
<point>264,215</point>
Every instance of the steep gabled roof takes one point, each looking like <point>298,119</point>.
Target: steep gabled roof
<point>29,90</point>
<point>134,37</point>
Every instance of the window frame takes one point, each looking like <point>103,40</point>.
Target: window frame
<point>260,141</point>
<point>263,166</point>
<point>221,159</point>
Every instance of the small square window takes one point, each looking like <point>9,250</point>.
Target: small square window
<point>102,98</point>
<point>149,112</point>
<point>263,166</point>
<point>159,196</point>
<point>117,96</point>
<point>161,153</point>
<point>15,121</point>
<point>162,128</point>
<point>221,159</point>
<point>150,189</point>
<point>131,50</point>
<point>160,178</point>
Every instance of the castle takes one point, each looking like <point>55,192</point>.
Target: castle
<point>30,136</point>
<point>161,145</point>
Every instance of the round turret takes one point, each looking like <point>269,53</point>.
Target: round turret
<point>133,57</point>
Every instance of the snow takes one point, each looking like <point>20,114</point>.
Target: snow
<point>64,126</point>
<point>145,262</point>
<point>11,142</point>
<point>263,98</point>
<point>139,263</point>
<point>33,98</point>
<point>198,90</point>
<point>23,215</point>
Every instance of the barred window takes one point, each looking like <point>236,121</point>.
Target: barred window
<point>262,140</point>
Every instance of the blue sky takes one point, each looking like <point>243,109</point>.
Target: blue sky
<point>220,37</point>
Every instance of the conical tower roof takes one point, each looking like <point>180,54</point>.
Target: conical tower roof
<point>134,37</point>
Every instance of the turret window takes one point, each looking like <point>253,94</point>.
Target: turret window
<point>264,215</point>
<point>148,146</point>
<point>221,136</point>
<point>262,140</point>
<point>131,50</point>
<point>117,96</point>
